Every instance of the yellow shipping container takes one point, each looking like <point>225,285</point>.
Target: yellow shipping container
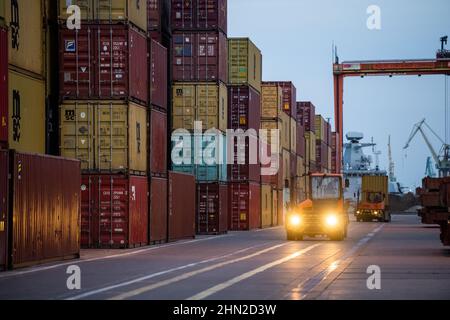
<point>310,154</point>
<point>205,102</point>
<point>245,63</point>
<point>293,129</point>
<point>134,11</point>
<point>375,184</point>
<point>106,136</point>
<point>26,36</point>
<point>26,113</point>
<point>271,101</point>
<point>267,206</point>
<point>283,125</point>
<point>320,124</point>
<point>330,151</point>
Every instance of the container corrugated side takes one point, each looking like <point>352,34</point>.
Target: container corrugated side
<point>300,140</point>
<point>103,62</point>
<point>107,136</point>
<point>321,128</point>
<point>3,87</point>
<point>114,211</point>
<point>271,101</point>
<point>158,75</point>
<point>4,199</point>
<point>26,36</point>
<point>375,184</point>
<point>310,139</point>
<point>245,206</point>
<point>181,206</point>
<point>158,210</point>
<point>45,216</point>
<point>106,11</point>
<point>26,113</point>
<point>212,208</point>
<point>205,102</point>
<point>244,63</point>
<point>267,206</point>
<point>158,144</point>
<point>289,97</point>
<point>306,113</point>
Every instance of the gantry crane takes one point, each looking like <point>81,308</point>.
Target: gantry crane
<point>442,158</point>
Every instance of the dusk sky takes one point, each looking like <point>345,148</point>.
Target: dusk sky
<point>296,36</point>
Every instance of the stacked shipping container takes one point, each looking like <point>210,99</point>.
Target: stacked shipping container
<point>199,75</point>
<point>244,114</point>
<point>104,116</point>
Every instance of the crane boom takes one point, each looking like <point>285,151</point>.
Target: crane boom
<point>418,128</point>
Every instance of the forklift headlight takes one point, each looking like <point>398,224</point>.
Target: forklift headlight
<point>375,212</point>
<point>332,220</point>
<point>295,220</point>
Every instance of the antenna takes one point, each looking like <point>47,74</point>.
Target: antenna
<point>444,40</point>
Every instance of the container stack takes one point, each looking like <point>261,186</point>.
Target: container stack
<point>23,76</point>
<point>199,74</point>
<point>104,99</point>
<point>323,141</point>
<point>307,115</point>
<point>158,26</point>
<point>244,113</point>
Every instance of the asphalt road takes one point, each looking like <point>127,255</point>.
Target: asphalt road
<point>259,265</point>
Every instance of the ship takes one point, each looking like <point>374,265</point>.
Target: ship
<point>358,164</point>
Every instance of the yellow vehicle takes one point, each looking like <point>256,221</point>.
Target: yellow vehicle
<point>324,213</point>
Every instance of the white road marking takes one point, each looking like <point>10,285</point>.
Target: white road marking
<point>157,274</point>
<point>266,229</point>
<point>120,255</point>
<point>204,294</point>
<point>188,275</point>
<point>309,284</point>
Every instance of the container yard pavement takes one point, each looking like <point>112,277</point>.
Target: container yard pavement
<point>255,265</point>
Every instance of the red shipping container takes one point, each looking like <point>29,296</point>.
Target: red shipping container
<point>245,206</point>
<point>158,144</point>
<point>4,171</point>
<point>199,15</point>
<point>181,206</point>
<point>244,112</point>
<point>103,62</point>
<point>212,208</point>
<point>289,97</point>
<point>158,75</point>
<point>158,14</point>
<point>44,210</point>
<point>321,154</point>
<point>114,212</point>
<point>328,134</point>
<point>3,88</point>
<point>301,142</point>
<point>306,113</point>
<point>335,159</point>
<point>199,56</point>
<point>158,210</point>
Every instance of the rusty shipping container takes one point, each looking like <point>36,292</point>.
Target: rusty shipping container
<point>199,56</point>
<point>181,208</point>
<point>158,75</point>
<point>289,96</point>
<point>245,206</point>
<point>107,136</point>
<point>199,101</point>
<point>212,208</point>
<point>158,144</point>
<point>103,62</point>
<point>26,113</point>
<point>4,197</point>
<point>3,88</point>
<point>25,37</point>
<point>306,112</point>
<point>108,12</point>
<point>244,113</point>
<point>114,211</point>
<point>158,210</point>
<point>43,217</point>
<point>199,15</point>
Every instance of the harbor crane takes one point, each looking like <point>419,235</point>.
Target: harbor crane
<point>429,170</point>
<point>442,159</point>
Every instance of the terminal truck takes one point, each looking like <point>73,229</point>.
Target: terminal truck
<point>323,213</point>
<point>373,203</point>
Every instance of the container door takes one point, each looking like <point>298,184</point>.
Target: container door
<point>3,209</point>
<point>89,234</point>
